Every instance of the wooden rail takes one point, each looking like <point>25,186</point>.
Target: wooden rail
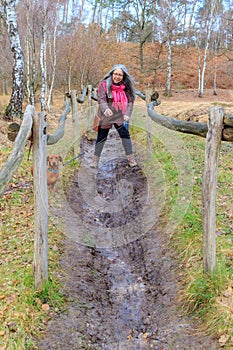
<point>219,128</point>
<point>15,158</point>
<point>194,128</point>
<point>33,126</point>
<point>59,133</point>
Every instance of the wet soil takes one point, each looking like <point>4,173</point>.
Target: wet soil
<point>119,276</point>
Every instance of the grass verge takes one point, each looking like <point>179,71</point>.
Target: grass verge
<point>209,298</point>
<point>24,312</point>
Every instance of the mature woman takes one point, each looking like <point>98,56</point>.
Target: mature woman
<point>116,99</point>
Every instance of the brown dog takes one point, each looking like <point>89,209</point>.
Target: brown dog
<point>53,169</point>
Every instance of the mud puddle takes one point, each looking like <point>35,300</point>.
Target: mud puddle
<point>118,275</point>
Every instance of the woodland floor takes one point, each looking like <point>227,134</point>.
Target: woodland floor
<point>118,274</point>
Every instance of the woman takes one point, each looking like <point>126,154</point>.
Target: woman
<point>116,99</point>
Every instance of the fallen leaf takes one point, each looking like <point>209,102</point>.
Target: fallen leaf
<point>227,293</point>
<point>2,333</point>
<point>223,339</point>
<point>12,326</point>
<point>45,307</point>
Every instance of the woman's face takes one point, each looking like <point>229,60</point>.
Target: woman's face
<point>117,76</point>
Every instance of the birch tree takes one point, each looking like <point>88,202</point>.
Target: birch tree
<point>43,62</point>
<point>206,23</point>
<point>14,108</point>
<point>30,22</point>
<point>53,56</point>
<point>6,62</point>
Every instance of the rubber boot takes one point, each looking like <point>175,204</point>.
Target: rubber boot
<point>95,162</point>
<point>131,160</point>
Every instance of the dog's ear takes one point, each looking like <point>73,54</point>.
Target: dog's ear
<point>60,159</point>
<point>47,159</point>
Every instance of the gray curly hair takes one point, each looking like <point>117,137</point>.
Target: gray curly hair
<point>127,80</point>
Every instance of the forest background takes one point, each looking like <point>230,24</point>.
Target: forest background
<point>55,46</point>
<point>68,44</point>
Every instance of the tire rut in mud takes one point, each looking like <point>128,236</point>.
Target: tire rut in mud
<point>120,296</point>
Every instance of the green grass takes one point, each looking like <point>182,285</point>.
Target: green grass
<point>24,312</point>
<point>203,295</point>
<point>222,104</point>
<point>210,298</point>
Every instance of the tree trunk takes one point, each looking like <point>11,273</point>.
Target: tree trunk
<point>33,83</point>
<point>169,59</point>
<point>209,26</point>
<point>43,69</point>
<point>28,83</point>
<point>14,109</point>
<point>54,61</point>
<point>29,55</point>
<point>216,43</point>
<point>202,76</point>
<point>199,71</point>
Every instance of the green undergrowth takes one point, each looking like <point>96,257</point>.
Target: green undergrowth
<point>207,297</point>
<point>23,311</point>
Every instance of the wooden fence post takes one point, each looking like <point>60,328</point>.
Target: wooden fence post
<point>213,143</point>
<point>90,111</point>
<point>148,123</point>
<point>94,106</point>
<point>75,121</point>
<point>41,201</point>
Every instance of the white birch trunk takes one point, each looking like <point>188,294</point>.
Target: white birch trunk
<point>54,62</point>
<point>14,108</point>
<point>43,69</point>
<point>33,74</point>
<point>215,71</point>
<point>169,59</point>
<point>28,54</point>
<point>202,82</point>
<point>208,36</point>
<point>69,78</point>
<point>28,70</point>
<point>199,71</point>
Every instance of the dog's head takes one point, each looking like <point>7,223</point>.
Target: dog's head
<point>53,160</point>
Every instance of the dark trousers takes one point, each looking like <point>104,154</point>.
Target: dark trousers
<point>102,137</point>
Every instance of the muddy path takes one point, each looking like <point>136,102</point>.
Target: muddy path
<point>118,274</point>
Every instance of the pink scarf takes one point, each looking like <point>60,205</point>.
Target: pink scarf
<point>120,100</point>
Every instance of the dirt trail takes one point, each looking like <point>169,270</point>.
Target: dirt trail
<point>117,272</point>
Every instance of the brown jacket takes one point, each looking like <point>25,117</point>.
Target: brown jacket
<point>105,102</point>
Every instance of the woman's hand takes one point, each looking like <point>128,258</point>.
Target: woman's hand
<point>108,112</point>
<point>126,118</point>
